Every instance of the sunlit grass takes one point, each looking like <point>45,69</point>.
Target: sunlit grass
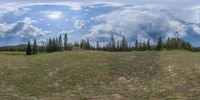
<point>13,53</point>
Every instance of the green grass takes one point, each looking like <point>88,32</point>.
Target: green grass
<point>91,75</point>
<point>13,53</point>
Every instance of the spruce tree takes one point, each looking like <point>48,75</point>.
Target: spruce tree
<point>140,46</point>
<point>50,46</point>
<point>144,48</point>
<point>97,46</point>
<point>159,44</point>
<point>118,46</point>
<point>35,47</point>
<point>65,42</point>
<point>60,43</point>
<point>113,43</point>
<point>28,49</point>
<point>124,44</point>
<point>88,44</point>
<point>148,45</point>
<point>136,45</point>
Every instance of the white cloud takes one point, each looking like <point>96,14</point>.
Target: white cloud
<point>196,29</point>
<point>52,14</point>
<point>79,24</point>
<point>21,11</point>
<point>196,14</point>
<point>21,29</point>
<point>139,22</point>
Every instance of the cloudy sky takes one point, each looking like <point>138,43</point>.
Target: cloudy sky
<point>97,20</point>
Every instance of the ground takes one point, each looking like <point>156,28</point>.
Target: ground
<point>92,75</point>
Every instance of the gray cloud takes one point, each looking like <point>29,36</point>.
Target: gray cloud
<point>80,24</point>
<point>141,22</point>
<point>23,30</point>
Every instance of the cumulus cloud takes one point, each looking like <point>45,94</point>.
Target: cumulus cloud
<point>23,30</point>
<point>134,21</point>
<point>21,11</point>
<point>52,14</point>
<point>141,22</point>
<point>79,24</point>
<point>195,17</point>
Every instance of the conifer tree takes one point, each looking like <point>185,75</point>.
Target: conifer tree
<point>65,42</point>
<point>49,47</point>
<point>168,44</point>
<point>148,45</point>
<point>140,46</point>
<point>144,48</point>
<point>28,49</point>
<point>97,46</point>
<point>118,46</point>
<point>159,44</point>
<point>35,47</point>
<point>113,43</point>
<point>60,43</point>
<point>136,45</point>
<point>88,44</point>
<point>124,44</point>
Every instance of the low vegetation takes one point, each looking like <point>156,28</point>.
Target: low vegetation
<point>96,75</point>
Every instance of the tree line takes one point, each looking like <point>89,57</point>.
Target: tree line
<point>52,45</point>
<point>123,45</point>
<point>61,43</point>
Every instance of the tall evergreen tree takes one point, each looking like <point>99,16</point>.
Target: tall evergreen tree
<point>136,45</point>
<point>148,45</point>
<point>159,44</point>
<point>124,44</point>
<point>35,47</point>
<point>144,48</point>
<point>60,43</point>
<point>65,42</point>
<point>88,44</point>
<point>97,46</point>
<point>49,47</point>
<point>113,44</point>
<point>118,46</point>
<point>168,44</point>
<point>28,49</point>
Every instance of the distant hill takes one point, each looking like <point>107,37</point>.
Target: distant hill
<point>21,47</point>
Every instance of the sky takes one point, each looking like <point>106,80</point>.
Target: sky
<point>24,20</point>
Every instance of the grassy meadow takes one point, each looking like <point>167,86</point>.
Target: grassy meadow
<point>92,75</point>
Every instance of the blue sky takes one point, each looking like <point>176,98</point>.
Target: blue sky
<point>97,20</point>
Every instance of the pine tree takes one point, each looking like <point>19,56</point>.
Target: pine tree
<point>140,46</point>
<point>65,42</point>
<point>159,44</point>
<point>49,47</point>
<point>168,44</point>
<point>144,48</point>
<point>148,45</point>
<point>60,43</point>
<point>118,46</point>
<point>136,45</point>
<point>97,46</point>
<point>35,47</point>
<point>113,43</point>
<point>28,49</point>
<point>124,44</point>
<point>82,43</point>
<point>88,44</point>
